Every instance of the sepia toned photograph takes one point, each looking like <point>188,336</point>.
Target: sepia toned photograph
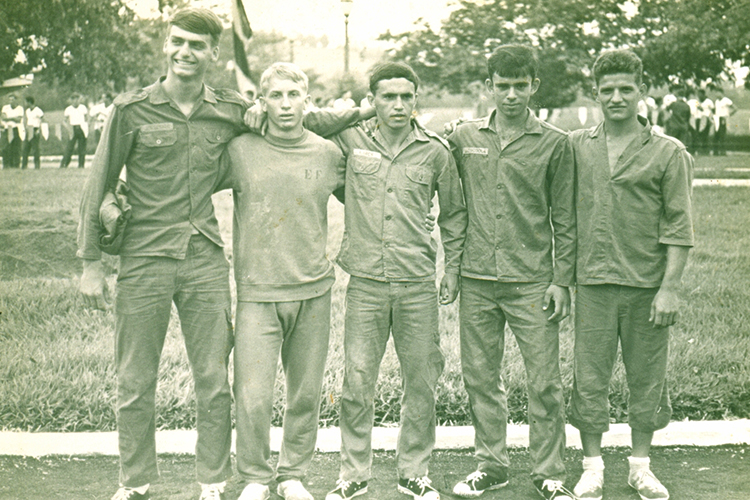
<point>388,249</point>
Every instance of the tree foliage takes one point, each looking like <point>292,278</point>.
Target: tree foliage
<point>87,45</point>
<point>680,41</point>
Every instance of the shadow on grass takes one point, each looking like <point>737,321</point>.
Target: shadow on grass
<point>690,473</point>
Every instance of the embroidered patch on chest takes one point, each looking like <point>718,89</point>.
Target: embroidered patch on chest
<point>476,151</point>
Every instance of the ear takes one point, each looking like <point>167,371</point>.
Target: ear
<point>370,98</point>
<point>643,89</point>
<point>215,53</point>
<point>595,93</point>
<point>308,100</point>
<point>535,85</point>
<point>488,84</point>
<point>263,105</point>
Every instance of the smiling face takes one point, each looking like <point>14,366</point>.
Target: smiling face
<point>284,101</point>
<point>618,94</point>
<point>188,54</point>
<point>394,101</point>
<point>512,95</point>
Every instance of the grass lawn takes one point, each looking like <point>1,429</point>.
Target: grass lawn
<point>56,357</point>
<point>716,473</point>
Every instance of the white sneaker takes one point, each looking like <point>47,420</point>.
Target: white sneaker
<point>255,491</point>
<point>647,486</point>
<point>590,485</point>
<point>292,489</point>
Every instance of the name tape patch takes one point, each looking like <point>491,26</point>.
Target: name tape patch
<point>367,154</point>
<point>476,151</point>
<point>157,127</point>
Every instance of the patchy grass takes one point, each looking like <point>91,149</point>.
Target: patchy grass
<point>690,473</point>
<point>56,369</point>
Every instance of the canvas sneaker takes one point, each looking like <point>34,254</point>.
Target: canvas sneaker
<point>214,491</point>
<point>255,491</point>
<point>647,486</point>
<point>590,485</point>
<point>478,482</point>
<point>130,494</point>
<point>551,489</point>
<point>345,490</point>
<point>418,487</point>
<point>293,489</point>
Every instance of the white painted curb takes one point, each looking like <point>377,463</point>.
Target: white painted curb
<point>704,433</point>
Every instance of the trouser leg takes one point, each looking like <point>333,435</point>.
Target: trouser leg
<point>81,147</point>
<point>538,342</point>
<point>595,352</point>
<point>303,355</point>
<point>482,325</point>
<point>142,310</point>
<point>367,328</point>
<point>204,305</point>
<point>645,350</point>
<point>417,342</point>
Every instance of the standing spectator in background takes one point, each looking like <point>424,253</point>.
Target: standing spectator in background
<point>678,123</point>
<point>12,120</point>
<point>99,114</point>
<point>76,123</point>
<point>34,117</point>
<point>724,108</point>
<point>703,126</point>
<point>345,101</point>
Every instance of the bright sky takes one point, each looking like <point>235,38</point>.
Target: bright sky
<point>369,18</point>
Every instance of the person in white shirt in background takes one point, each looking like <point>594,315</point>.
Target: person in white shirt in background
<point>703,123</point>
<point>12,119</point>
<point>34,116</point>
<point>724,108</point>
<point>76,123</point>
<point>99,113</point>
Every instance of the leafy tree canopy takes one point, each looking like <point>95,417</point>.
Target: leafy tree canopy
<point>86,45</point>
<point>686,42</point>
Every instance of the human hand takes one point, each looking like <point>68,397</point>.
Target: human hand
<point>255,119</point>
<point>665,308</point>
<point>93,285</point>
<point>561,297</point>
<point>429,222</point>
<point>449,288</point>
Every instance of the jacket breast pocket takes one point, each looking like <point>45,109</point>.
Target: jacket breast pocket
<point>159,138</point>
<point>364,179</point>
<point>417,189</point>
<point>156,152</point>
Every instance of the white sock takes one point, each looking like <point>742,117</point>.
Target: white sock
<point>638,464</point>
<point>593,463</point>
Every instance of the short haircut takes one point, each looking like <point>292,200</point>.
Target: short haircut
<point>613,62</point>
<point>30,100</point>
<point>198,21</point>
<point>513,61</point>
<point>283,71</point>
<point>391,70</point>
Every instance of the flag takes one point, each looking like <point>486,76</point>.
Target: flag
<point>241,34</point>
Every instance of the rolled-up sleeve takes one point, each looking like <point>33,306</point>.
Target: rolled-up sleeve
<point>676,221</point>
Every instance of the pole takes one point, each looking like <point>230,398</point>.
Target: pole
<point>346,44</point>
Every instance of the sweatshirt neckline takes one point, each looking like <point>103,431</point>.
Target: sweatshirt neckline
<point>280,141</point>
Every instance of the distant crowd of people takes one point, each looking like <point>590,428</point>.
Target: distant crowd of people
<point>23,125</point>
<point>698,121</point>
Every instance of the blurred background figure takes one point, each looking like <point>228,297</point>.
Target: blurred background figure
<point>34,117</point>
<point>12,122</point>
<point>723,109</point>
<point>678,123</point>
<point>345,101</point>
<point>99,113</point>
<point>76,123</point>
<point>703,124</point>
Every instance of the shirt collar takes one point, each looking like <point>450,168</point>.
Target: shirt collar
<point>158,96</point>
<point>417,132</point>
<point>533,124</point>
<point>646,133</point>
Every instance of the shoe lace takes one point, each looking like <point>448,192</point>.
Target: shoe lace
<point>475,476</point>
<point>124,494</point>
<point>343,484</point>
<point>211,492</point>
<point>555,486</point>
<point>647,479</point>
<point>423,482</point>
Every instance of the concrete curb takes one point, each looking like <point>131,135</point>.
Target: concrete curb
<point>704,433</point>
